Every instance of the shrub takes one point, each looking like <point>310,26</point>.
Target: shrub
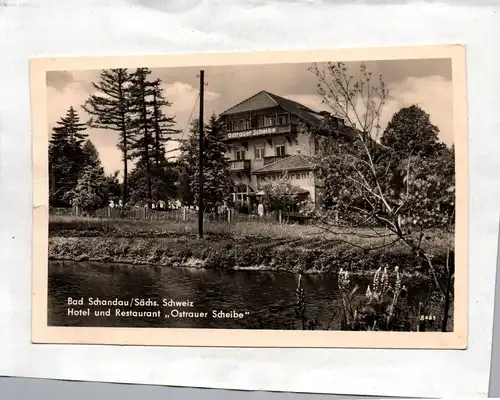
<point>382,307</point>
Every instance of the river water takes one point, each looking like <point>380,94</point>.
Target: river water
<point>247,299</point>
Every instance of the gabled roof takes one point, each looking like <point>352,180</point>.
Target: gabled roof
<point>297,162</point>
<point>258,101</point>
<point>264,99</point>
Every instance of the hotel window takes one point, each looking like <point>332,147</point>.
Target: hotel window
<point>269,121</point>
<point>280,149</point>
<point>240,154</point>
<point>283,119</point>
<point>259,151</point>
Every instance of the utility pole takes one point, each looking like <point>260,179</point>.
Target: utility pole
<point>201,140</point>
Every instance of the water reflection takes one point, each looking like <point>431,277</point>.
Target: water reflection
<point>268,297</point>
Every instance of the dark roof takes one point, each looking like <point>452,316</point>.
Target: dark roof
<point>258,101</point>
<point>264,99</point>
<point>299,190</point>
<point>297,162</point>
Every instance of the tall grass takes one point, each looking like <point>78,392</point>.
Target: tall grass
<point>80,226</point>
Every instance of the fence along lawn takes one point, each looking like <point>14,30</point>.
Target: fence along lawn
<point>154,223</point>
<point>181,215</point>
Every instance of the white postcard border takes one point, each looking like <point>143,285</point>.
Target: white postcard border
<point>41,333</point>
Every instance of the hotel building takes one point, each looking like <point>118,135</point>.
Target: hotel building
<point>266,138</point>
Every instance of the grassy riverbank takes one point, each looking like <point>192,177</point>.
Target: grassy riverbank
<point>249,245</point>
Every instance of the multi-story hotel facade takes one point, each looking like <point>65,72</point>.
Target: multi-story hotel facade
<point>266,139</point>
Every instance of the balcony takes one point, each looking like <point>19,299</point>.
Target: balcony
<point>261,131</point>
<point>239,165</point>
<point>270,160</point>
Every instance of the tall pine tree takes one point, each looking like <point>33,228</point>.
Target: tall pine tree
<point>70,129</point>
<point>110,109</point>
<point>152,129</point>
<point>188,165</point>
<point>163,124</point>
<point>216,178</point>
<point>142,124</point>
<point>66,157</point>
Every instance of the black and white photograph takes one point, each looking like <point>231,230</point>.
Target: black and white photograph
<point>297,194</point>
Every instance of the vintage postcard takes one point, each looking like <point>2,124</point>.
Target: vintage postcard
<point>273,199</point>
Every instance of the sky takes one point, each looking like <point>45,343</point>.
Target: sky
<point>426,83</point>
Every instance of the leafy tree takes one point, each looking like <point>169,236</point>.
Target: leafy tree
<point>91,189</point>
<point>411,133</point>
<point>280,195</point>
<point>405,184</point>
<point>113,186</point>
<point>65,156</point>
<point>110,109</point>
<point>90,153</point>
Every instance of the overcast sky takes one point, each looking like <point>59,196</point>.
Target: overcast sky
<point>426,83</point>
